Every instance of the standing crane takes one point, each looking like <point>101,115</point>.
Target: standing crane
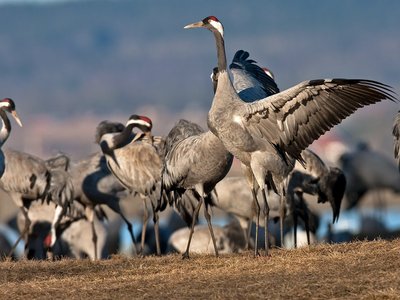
<point>136,161</point>
<point>367,170</point>
<point>268,135</point>
<point>94,185</point>
<point>252,83</point>
<point>195,161</point>
<point>7,105</point>
<point>28,178</point>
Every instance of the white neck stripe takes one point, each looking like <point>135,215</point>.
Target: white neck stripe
<point>218,26</point>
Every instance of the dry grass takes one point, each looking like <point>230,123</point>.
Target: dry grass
<point>356,270</point>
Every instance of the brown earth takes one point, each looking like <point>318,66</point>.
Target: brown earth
<point>355,270</point>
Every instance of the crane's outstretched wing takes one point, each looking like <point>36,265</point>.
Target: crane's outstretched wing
<point>396,135</point>
<point>250,81</point>
<point>294,118</point>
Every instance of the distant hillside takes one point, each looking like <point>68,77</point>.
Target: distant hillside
<point>72,64</point>
<point>109,56</point>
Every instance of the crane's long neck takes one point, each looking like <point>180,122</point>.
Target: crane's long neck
<point>224,82</point>
<point>5,128</point>
<point>213,139</point>
<point>123,138</point>
<point>220,50</point>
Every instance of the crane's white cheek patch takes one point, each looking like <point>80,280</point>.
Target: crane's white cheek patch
<point>108,139</point>
<point>218,26</point>
<point>4,104</point>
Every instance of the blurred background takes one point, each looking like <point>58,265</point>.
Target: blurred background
<point>71,64</point>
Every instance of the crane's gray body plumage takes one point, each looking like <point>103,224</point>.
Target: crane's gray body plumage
<point>139,169</point>
<point>195,160</point>
<point>61,188</point>
<point>26,175</point>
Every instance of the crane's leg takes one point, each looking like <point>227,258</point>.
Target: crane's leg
<point>195,216</point>
<point>114,205</point>
<point>294,216</point>
<point>248,233</point>
<point>208,218</point>
<point>144,226</point>
<point>306,219</point>
<point>24,231</point>
<point>253,184</point>
<point>245,224</point>
<point>257,210</point>
<point>266,221</point>
<point>130,229</point>
<point>282,212</point>
<point>157,232</point>
<point>90,216</point>
<point>58,214</point>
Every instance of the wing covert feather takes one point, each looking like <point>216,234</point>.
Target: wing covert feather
<point>294,118</point>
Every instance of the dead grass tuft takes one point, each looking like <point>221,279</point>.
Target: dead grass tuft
<point>362,270</point>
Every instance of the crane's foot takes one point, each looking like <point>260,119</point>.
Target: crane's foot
<point>257,254</point>
<point>185,255</point>
<point>267,254</point>
<point>50,254</point>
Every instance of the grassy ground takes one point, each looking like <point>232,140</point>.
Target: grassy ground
<point>355,270</point>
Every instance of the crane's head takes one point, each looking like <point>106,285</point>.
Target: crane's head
<point>141,122</point>
<point>332,188</point>
<point>211,23</point>
<point>8,105</point>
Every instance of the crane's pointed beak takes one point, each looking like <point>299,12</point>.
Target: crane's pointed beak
<point>335,212</point>
<point>16,117</point>
<point>194,25</point>
<point>114,158</point>
<point>138,136</point>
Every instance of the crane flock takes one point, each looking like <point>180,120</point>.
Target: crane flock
<point>250,119</point>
